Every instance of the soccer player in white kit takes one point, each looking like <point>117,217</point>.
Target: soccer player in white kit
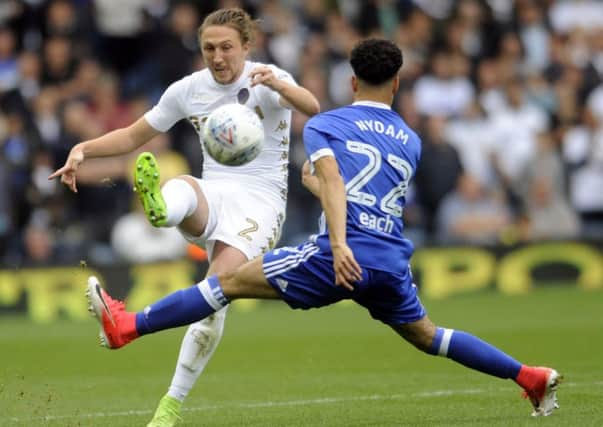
<point>235,212</point>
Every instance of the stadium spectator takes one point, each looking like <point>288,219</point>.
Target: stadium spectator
<point>443,78</point>
<point>566,16</point>
<point>177,45</point>
<point>60,63</point>
<point>286,36</point>
<point>404,104</point>
<point>439,169</point>
<point>416,35</point>
<point>539,93</point>
<point>30,75</point>
<point>490,87</point>
<point>596,39</point>
<point>105,105</point>
<point>62,19</point>
<point>122,30</point>
<point>533,34</point>
<point>18,149</point>
<point>595,103</point>
<point>472,136</point>
<point>9,67</point>
<point>472,214</point>
<point>583,152</point>
<point>39,246</point>
<point>472,31</point>
<point>46,118</point>
<point>6,208</point>
<point>548,214</point>
<point>514,130</point>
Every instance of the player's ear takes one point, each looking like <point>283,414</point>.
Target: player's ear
<point>396,84</point>
<point>354,83</point>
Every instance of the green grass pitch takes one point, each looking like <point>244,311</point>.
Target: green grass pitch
<point>328,367</point>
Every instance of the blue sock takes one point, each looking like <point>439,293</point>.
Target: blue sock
<point>182,307</point>
<point>474,353</point>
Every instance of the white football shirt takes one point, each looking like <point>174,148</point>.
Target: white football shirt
<point>195,96</point>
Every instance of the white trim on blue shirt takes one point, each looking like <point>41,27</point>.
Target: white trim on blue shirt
<point>373,104</point>
<point>323,152</point>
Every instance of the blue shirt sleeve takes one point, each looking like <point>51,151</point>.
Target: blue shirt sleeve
<point>316,142</point>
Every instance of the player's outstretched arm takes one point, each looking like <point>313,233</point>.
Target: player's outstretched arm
<point>333,200</point>
<point>292,96</point>
<point>114,143</point>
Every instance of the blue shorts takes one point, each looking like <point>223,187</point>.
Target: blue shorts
<point>304,277</point>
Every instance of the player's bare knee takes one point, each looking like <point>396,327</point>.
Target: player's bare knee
<point>420,334</point>
<point>179,183</point>
<point>420,340</point>
<point>196,213</point>
<point>190,180</point>
<point>181,198</point>
<point>230,285</point>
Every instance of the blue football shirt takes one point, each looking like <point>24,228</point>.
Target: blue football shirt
<point>377,154</point>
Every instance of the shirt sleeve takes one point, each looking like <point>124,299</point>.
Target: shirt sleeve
<point>168,110</point>
<point>316,142</point>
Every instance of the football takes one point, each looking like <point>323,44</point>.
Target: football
<point>233,135</point>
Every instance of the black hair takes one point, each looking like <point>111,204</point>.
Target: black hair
<point>376,61</point>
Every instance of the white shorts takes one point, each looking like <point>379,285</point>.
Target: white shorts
<point>240,216</point>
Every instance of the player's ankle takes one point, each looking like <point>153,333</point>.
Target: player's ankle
<point>528,377</point>
<point>127,326</point>
<point>177,394</point>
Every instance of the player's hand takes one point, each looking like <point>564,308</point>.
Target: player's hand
<point>265,76</point>
<point>306,169</point>
<point>67,172</point>
<point>347,270</point>
<point>309,180</point>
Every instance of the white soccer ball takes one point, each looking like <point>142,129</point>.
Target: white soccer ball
<point>233,135</point>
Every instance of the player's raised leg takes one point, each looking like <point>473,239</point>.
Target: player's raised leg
<point>180,202</point>
<point>146,185</point>
<point>119,327</point>
<point>539,383</point>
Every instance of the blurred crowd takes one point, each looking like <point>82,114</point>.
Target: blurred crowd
<point>507,97</point>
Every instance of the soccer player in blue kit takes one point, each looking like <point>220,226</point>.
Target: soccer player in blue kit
<point>363,157</point>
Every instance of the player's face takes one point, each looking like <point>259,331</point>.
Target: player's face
<point>223,52</point>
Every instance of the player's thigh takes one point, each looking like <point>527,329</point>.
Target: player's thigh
<point>391,298</point>
<point>303,276</point>
<point>196,223</point>
<point>239,217</point>
<point>248,281</point>
<point>225,258</point>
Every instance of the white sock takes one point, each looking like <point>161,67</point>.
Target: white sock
<point>198,345</point>
<point>180,201</point>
